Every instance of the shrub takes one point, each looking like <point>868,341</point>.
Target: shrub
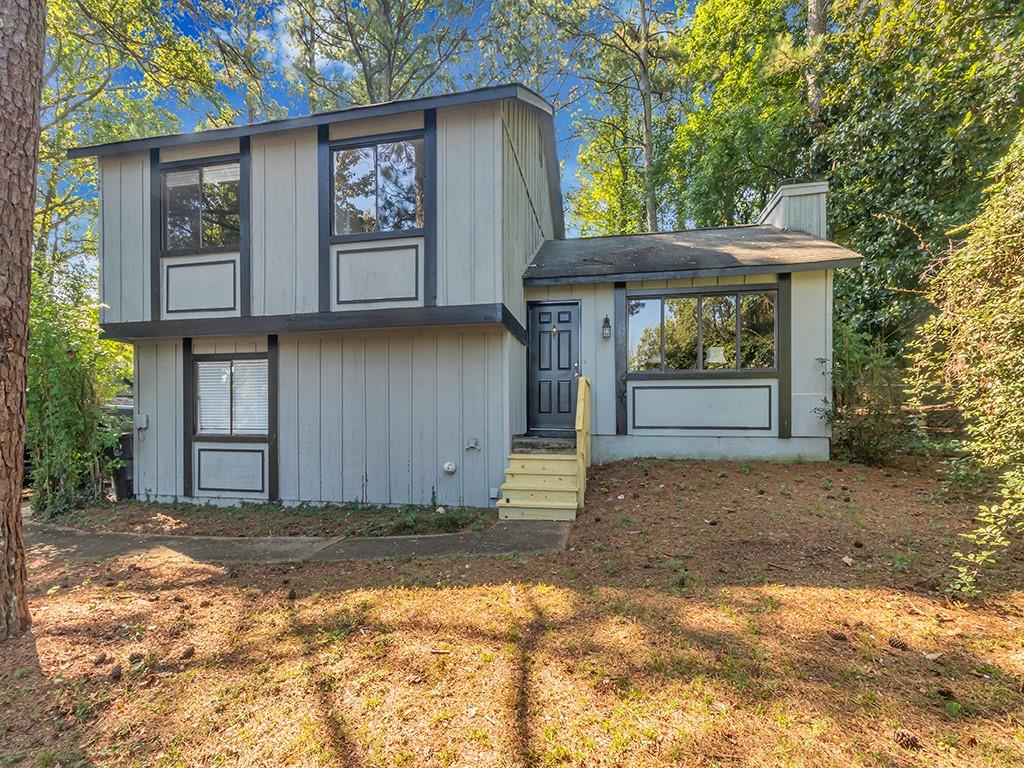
<point>971,352</point>
<point>72,375</point>
<point>866,412</point>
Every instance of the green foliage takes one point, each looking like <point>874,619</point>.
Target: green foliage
<point>866,413</point>
<point>921,98</point>
<point>71,377</point>
<point>740,127</point>
<point>971,353</point>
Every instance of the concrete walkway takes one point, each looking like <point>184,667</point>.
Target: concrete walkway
<point>503,538</point>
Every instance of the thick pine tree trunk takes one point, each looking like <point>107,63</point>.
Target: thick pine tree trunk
<point>21,63</point>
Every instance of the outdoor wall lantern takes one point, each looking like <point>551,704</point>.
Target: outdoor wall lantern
<point>606,328</point>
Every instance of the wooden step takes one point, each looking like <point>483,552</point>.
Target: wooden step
<point>531,511</point>
<point>546,496</point>
<point>529,481</point>
<point>542,464</point>
<point>533,445</point>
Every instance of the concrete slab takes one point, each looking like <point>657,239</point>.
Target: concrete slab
<point>84,545</point>
<point>391,547</point>
<point>503,538</point>
<point>523,536</point>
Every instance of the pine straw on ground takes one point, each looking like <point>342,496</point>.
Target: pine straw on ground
<point>658,639</point>
<point>274,519</point>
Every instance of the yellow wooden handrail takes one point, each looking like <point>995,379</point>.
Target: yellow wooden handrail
<point>582,437</point>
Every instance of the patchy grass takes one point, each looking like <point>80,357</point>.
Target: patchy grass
<point>271,519</point>
<point>659,639</point>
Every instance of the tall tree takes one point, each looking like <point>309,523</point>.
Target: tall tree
<point>620,51</point>
<point>742,109</point>
<point>21,63</point>
<point>921,98</point>
<point>380,50</point>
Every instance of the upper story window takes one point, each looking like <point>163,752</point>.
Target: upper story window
<point>378,187</point>
<point>231,397</point>
<point>701,332</point>
<point>201,208</point>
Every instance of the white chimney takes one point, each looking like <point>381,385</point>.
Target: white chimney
<point>798,206</point>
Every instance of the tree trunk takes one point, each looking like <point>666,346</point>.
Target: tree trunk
<point>21,66</point>
<point>651,200</point>
<point>815,31</point>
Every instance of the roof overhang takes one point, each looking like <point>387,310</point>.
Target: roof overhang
<point>492,93</point>
<point>714,252</point>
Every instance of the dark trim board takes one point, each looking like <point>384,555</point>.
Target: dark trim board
<point>338,255</point>
<point>619,300</point>
<point>188,413</point>
<point>766,387</point>
<point>156,226</point>
<point>264,460</point>
<point>323,189</point>
<point>360,319</point>
<point>785,351</point>
<point>513,326</point>
<point>705,374</point>
<point>430,209</point>
<point>245,226</point>
<point>234,288</point>
<point>423,103</point>
<point>273,358</point>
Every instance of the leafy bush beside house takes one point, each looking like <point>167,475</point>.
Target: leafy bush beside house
<point>72,375</point>
<point>971,352</point>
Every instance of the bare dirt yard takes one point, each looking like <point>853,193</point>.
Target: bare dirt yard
<point>706,614</point>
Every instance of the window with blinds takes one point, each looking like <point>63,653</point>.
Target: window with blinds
<point>231,397</point>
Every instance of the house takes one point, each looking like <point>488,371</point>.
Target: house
<point>380,304</point>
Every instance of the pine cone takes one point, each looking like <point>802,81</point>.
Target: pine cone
<point>906,739</point>
<point>837,635</point>
<point>898,643</point>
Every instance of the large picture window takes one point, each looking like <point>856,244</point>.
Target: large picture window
<point>701,332</point>
<point>201,208</point>
<point>231,397</point>
<point>378,188</point>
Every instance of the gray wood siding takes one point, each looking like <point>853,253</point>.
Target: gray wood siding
<point>124,238</point>
<point>374,416</point>
<point>158,464</point>
<point>525,200</point>
<point>285,239</point>
<point>469,167</point>
<point>811,342</point>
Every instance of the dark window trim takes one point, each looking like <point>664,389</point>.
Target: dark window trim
<point>157,227</point>
<point>363,142</point>
<point>621,358</point>
<point>228,437</point>
<point>188,413</point>
<point>359,237</point>
<point>198,164</point>
<point>697,292</point>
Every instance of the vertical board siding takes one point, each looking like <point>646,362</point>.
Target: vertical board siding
<point>812,343</point>
<point>525,200</point>
<point>158,463</point>
<point>285,245</point>
<point>373,417</point>
<point>124,238</point>
<point>468,205</point>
